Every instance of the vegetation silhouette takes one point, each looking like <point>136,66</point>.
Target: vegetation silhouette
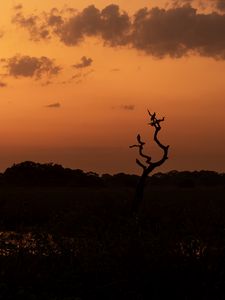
<point>48,174</point>
<point>29,173</point>
<point>148,166</point>
<point>66,234</point>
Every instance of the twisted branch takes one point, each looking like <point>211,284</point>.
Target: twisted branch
<point>141,148</point>
<point>154,122</point>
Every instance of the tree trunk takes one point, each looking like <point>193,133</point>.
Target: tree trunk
<point>139,194</point>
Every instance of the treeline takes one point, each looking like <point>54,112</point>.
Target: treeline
<point>50,174</point>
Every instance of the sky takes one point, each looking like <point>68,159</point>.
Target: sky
<point>77,78</point>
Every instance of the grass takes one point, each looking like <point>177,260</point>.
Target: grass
<point>82,243</point>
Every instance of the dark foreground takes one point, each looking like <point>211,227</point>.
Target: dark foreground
<point>81,243</point>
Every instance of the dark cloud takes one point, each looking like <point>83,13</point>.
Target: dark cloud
<point>85,62</point>
<point>175,31</point>
<point>76,76</point>
<point>18,7</point>
<point>2,84</point>
<point>179,31</point>
<point>28,66</point>
<point>72,27</point>
<point>54,105</point>
<point>55,20</point>
<point>203,4</point>
<point>34,24</point>
<point>109,24</point>
<point>220,5</point>
<point>127,107</point>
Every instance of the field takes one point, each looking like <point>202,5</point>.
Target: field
<point>83,243</point>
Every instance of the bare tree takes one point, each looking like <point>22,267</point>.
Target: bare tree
<point>148,166</point>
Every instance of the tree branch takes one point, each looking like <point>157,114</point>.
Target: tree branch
<point>141,148</point>
<point>140,164</point>
<point>154,122</point>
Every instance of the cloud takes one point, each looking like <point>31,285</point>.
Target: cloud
<point>29,66</point>
<point>78,78</point>
<point>127,107</point>
<point>109,24</point>
<point>78,75</point>
<point>18,7</point>
<point>220,5</point>
<point>2,84</point>
<point>85,62</point>
<point>176,31</point>
<point>71,27</point>
<point>115,70</point>
<point>177,3</point>
<point>54,105</point>
<point>34,24</point>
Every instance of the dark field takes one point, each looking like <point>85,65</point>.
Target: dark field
<point>82,243</point>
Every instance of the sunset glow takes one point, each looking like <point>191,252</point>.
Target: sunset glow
<point>77,78</point>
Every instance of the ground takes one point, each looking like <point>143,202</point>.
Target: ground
<point>83,243</point>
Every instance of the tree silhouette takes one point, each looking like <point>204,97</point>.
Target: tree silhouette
<point>148,166</point>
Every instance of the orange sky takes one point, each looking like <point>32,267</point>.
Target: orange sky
<point>93,118</point>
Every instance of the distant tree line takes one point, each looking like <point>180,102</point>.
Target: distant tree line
<point>49,174</point>
<point>30,173</point>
